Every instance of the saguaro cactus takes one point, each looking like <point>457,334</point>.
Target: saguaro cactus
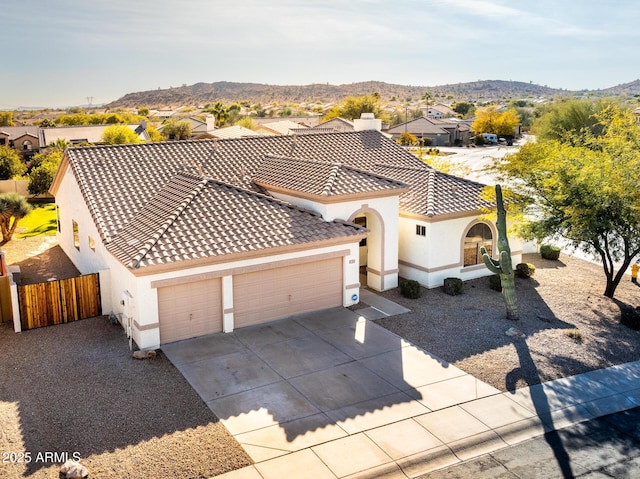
<point>503,266</point>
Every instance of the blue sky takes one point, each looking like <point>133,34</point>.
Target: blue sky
<point>60,52</point>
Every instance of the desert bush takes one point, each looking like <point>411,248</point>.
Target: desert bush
<point>410,289</point>
<point>575,334</point>
<point>525,270</point>
<point>548,251</point>
<point>630,316</point>
<point>453,286</point>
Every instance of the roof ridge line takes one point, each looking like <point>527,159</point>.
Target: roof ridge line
<point>331,179</point>
<point>431,183</point>
<point>150,243</point>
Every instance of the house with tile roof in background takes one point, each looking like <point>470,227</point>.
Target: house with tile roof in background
<point>214,235</point>
<point>23,138</point>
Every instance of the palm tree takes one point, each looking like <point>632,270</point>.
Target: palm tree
<point>13,207</point>
<point>426,97</point>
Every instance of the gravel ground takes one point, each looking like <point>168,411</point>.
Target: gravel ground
<point>75,388</point>
<point>563,296</point>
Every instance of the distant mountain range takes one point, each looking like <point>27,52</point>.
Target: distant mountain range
<point>230,92</point>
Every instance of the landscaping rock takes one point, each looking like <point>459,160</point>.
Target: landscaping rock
<point>144,354</point>
<point>515,333</point>
<point>73,470</point>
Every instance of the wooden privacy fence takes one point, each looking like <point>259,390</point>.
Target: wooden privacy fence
<point>57,302</point>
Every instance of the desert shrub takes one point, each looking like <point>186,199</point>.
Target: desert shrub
<point>410,289</point>
<point>630,316</point>
<point>479,140</point>
<point>495,283</point>
<point>525,270</point>
<point>574,334</point>
<point>548,251</point>
<point>453,286</point>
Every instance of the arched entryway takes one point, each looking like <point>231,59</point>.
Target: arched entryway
<point>371,248</point>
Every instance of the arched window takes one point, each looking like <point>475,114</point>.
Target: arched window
<point>478,236</point>
<point>27,145</point>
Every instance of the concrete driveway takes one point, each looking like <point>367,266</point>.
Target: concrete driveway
<point>311,379</point>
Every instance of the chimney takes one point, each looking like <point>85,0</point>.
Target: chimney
<point>367,121</point>
<point>211,123</point>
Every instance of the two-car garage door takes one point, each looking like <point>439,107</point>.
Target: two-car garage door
<point>194,309</point>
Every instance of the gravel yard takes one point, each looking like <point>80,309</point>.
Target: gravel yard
<point>74,388</point>
<point>570,326</point>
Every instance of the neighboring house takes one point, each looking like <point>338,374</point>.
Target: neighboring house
<point>202,129</point>
<point>304,121</point>
<point>439,112</point>
<point>23,138</point>
<point>440,132</point>
<point>283,127</point>
<point>636,113</point>
<point>214,235</point>
<point>336,124</point>
<point>79,134</point>
<point>236,131</point>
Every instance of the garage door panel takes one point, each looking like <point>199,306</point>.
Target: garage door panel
<point>189,310</point>
<point>280,292</point>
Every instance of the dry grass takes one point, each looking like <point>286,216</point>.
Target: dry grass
<point>570,326</point>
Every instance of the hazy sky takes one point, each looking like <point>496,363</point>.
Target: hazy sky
<point>59,52</point>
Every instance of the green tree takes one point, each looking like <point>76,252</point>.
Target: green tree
<point>6,118</point>
<point>352,107</point>
<point>569,118</point>
<point>60,144</point>
<point>43,169</point>
<point>219,111</point>
<point>118,135</point>
<point>11,163</point>
<point>13,207</point>
<point>584,189</point>
<point>143,111</point>
<point>490,120</point>
<point>464,108</point>
<point>176,130</point>
<point>47,123</point>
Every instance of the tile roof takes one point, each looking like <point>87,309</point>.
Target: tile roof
<point>433,193</point>
<point>121,184</point>
<point>235,131</point>
<point>192,217</point>
<point>18,131</point>
<point>421,126</point>
<point>319,178</point>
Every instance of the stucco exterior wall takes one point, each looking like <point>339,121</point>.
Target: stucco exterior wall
<point>439,254</point>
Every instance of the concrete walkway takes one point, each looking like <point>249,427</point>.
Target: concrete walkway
<point>334,395</point>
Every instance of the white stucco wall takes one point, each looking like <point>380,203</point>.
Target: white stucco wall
<point>438,255</point>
